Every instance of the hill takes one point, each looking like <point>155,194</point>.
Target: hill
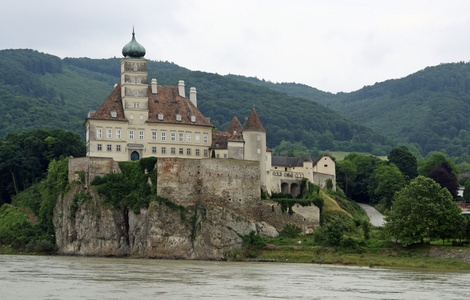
<point>43,91</point>
<point>429,110</point>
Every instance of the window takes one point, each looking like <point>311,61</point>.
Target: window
<point>132,117</point>
<point>138,80</point>
<point>178,118</point>
<point>99,147</point>
<point>131,134</point>
<point>99,133</point>
<point>197,137</point>
<point>118,148</point>
<point>206,153</point>
<point>135,67</point>
<point>136,93</point>
<point>133,80</point>
<point>188,151</point>
<point>160,117</point>
<point>154,149</point>
<point>154,135</point>
<point>198,152</point>
<point>163,136</point>
<point>188,137</point>
<point>326,166</point>
<point>225,155</point>
<point>109,133</point>
<point>181,151</point>
<point>141,117</point>
<point>258,150</point>
<point>241,150</point>
<point>109,147</point>
<point>118,133</point>
<point>173,150</point>
<point>259,137</point>
<point>163,150</point>
<point>136,104</point>
<point>114,114</point>
<point>206,139</point>
<point>193,119</point>
<point>217,155</point>
<point>141,135</point>
<point>173,136</point>
<point>181,137</point>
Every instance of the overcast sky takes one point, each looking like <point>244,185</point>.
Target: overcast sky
<point>335,46</point>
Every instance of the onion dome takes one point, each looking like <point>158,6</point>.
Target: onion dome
<point>133,49</point>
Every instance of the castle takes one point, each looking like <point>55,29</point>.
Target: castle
<point>140,120</point>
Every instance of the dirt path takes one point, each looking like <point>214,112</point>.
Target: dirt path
<point>375,217</point>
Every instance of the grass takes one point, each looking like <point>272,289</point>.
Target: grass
<point>385,257</point>
<point>304,250</point>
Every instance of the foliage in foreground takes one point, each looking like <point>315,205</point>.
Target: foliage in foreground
<point>27,224</point>
<point>423,210</point>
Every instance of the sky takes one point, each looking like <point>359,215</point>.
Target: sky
<point>332,45</point>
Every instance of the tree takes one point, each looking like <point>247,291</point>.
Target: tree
<point>442,175</point>
<point>423,210</point>
<point>466,192</point>
<point>347,171</point>
<point>405,161</point>
<point>435,160</point>
<point>387,181</point>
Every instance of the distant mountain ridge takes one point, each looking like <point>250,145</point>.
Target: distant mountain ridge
<point>39,90</point>
<point>428,110</point>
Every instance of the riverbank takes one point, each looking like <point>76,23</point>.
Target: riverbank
<point>421,257</point>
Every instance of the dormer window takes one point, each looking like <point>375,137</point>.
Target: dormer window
<point>160,117</point>
<point>193,119</point>
<point>178,118</point>
<point>114,114</point>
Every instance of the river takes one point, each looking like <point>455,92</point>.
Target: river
<point>63,277</point>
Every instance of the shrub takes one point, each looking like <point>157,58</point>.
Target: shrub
<point>291,231</point>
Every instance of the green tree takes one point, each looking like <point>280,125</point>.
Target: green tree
<point>435,160</point>
<point>423,210</point>
<point>346,170</point>
<point>387,181</point>
<point>466,192</point>
<point>405,161</point>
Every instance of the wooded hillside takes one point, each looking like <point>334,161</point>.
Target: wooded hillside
<point>42,91</point>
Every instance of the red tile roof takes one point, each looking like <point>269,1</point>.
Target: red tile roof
<point>167,102</point>
<point>253,123</point>
<point>234,126</point>
<point>111,103</point>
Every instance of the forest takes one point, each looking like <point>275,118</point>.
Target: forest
<point>428,111</point>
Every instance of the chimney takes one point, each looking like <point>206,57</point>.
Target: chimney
<point>154,86</point>
<point>193,95</point>
<point>181,88</point>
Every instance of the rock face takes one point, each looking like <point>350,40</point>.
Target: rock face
<point>204,223</point>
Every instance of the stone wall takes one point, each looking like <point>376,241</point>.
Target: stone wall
<point>209,181</point>
<point>92,167</point>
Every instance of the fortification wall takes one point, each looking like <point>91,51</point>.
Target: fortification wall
<point>92,167</point>
<point>223,181</point>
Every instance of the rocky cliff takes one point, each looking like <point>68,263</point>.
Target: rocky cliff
<point>200,227</point>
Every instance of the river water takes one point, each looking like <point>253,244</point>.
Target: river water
<point>62,277</point>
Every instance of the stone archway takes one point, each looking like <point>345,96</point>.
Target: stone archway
<point>285,188</point>
<point>294,189</point>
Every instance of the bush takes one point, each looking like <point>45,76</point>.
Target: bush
<point>253,243</point>
<point>291,231</point>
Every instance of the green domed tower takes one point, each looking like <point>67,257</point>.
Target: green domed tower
<point>133,49</point>
<point>134,83</point>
